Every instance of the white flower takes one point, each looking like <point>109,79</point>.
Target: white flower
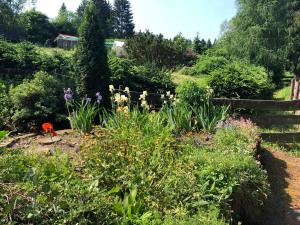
<point>117,98</point>
<point>171,97</point>
<point>111,88</point>
<point>162,96</point>
<point>145,93</point>
<point>124,98</point>
<point>168,93</point>
<point>127,90</point>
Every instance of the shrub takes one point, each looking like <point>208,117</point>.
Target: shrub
<point>138,78</point>
<point>5,107</point>
<point>190,93</point>
<point>205,65</point>
<point>148,48</point>
<point>241,80</point>
<point>36,100</point>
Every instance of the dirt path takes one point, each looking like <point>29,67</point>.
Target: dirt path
<point>283,207</point>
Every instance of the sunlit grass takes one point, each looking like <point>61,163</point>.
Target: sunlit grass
<point>179,78</point>
<point>283,94</point>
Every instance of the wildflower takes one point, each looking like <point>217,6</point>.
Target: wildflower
<point>124,98</point>
<point>48,128</point>
<point>111,88</point>
<point>88,100</point>
<point>168,93</point>
<point>117,98</point>
<point>68,94</point>
<point>127,90</point>
<point>162,97</point>
<point>99,98</point>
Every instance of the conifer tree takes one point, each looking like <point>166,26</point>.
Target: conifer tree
<point>104,13</point>
<point>91,57</point>
<point>123,19</point>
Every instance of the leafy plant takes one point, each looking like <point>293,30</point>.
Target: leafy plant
<point>83,117</point>
<point>3,133</point>
<point>207,115</point>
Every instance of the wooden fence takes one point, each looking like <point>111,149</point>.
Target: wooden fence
<point>269,120</point>
<point>261,119</point>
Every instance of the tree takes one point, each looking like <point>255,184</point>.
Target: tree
<point>91,56</point>
<point>148,48</point>
<point>123,19</point>
<point>104,12</point>
<point>37,25</point>
<point>209,44</point>
<point>10,26</point>
<point>199,45</point>
<point>66,22</point>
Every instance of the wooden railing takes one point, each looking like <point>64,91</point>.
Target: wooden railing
<point>261,119</point>
<point>269,120</point>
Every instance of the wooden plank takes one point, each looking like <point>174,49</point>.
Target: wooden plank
<point>276,120</point>
<point>281,137</point>
<point>259,104</point>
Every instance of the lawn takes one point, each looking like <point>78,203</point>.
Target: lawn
<point>179,78</point>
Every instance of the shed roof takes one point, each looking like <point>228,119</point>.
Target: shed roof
<point>66,37</point>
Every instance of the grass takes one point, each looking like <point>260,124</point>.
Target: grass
<point>179,78</point>
<point>283,93</point>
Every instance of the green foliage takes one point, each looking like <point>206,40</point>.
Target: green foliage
<point>35,100</point>
<point>83,117</point>
<point>20,61</point>
<point>123,19</point>
<point>205,65</point>
<point>190,93</point>
<point>91,57</point>
<point>66,21</point>
<point>138,78</point>
<point>135,172</point>
<point>3,133</point>
<point>241,80</point>
<point>266,33</point>
<point>5,107</point>
<point>148,48</point>
<point>38,27</point>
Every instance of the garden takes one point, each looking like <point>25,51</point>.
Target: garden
<point>89,137</point>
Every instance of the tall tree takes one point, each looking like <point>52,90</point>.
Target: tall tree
<point>123,19</point>
<point>66,21</point>
<point>38,27</point>
<point>91,56</point>
<point>104,12</point>
<point>10,10</point>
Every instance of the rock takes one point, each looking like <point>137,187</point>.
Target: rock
<point>48,140</point>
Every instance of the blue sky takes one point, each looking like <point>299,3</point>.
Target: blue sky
<point>168,17</point>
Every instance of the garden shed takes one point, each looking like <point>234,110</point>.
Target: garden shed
<point>119,48</point>
<point>66,41</point>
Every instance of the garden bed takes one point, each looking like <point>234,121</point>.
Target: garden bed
<point>133,174</point>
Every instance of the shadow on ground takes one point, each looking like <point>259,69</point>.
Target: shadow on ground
<point>279,209</point>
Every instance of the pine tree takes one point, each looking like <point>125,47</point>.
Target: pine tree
<point>104,13</point>
<point>209,44</point>
<point>123,19</point>
<point>91,57</point>
<point>200,46</point>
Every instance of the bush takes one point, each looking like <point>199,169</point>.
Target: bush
<point>241,80</point>
<point>190,93</point>
<point>36,100</point>
<point>20,61</point>
<point>5,107</point>
<point>205,65</point>
<point>148,48</point>
<point>138,78</point>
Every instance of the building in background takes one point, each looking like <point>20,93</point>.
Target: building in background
<point>66,42</point>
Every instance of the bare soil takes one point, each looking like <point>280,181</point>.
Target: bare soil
<point>283,205</point>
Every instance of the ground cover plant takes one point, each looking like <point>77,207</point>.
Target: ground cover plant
<point>134,169</point>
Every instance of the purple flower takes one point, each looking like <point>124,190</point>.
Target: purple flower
<point>88,100</point>
<point>68,94</point>
<point>99,98</point>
